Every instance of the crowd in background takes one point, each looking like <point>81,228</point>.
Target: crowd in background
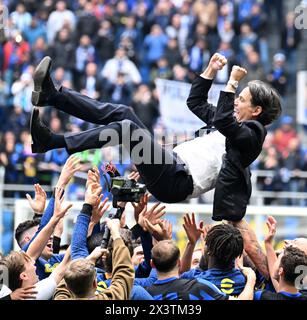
<point>114,50</point>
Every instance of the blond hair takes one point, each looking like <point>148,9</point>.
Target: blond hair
<point>79,277</point>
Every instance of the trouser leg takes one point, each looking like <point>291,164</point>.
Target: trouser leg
<point>164,178</point>
<point>91,110</point>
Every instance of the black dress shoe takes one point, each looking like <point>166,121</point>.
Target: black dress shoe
<point>40,133</point>
<point>43,85</point>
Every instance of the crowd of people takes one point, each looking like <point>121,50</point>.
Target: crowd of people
<point>113,51</point>
<point>143,262</point>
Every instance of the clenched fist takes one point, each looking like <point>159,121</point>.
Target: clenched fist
<point>237,73</point>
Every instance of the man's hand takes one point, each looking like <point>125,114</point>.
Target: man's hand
<point>237,73</point>
<point>24,293</point>
<point>153,215</point>
<point>161,231</point>
<point>93,176</point>
<point>216,63</point>
<point>99,209</point>
<point>193,232</point>
<point>96,254</point>
<point>113,225</point>
<point>271,224</point>
<point>139,207</point>
<point>249,274</point>
<point>92,194</point>
<point>59,209</point>
<point>72,165</point>
<point>38,203</point>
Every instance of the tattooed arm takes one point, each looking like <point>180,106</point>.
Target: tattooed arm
<point>253,248</point>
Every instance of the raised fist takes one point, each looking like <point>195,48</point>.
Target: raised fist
<point>237,73</point>
<point>217,62</point>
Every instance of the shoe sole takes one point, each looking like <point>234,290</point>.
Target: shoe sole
<point>39,75</point>
<point>32,121</point>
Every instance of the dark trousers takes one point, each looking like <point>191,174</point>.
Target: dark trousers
<point>166,179</point>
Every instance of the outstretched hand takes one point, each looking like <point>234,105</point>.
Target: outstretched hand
<point>192,230</point>
<point>39,202</point>
<point>72,165</point>
<point>59,209</point>
<point>271,224</point>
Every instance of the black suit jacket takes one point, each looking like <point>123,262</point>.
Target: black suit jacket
<point>243,145</point>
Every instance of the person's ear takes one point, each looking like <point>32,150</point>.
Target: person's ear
<point>179,263</point>
<point>280,271</point>
<point>23,276</point>
<point>95,283</point>
<point>257,111</point>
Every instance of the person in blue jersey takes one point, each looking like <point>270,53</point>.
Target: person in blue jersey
<point>46,260</point>
<point>166,259</point>
<point>285,275</point>
<point>224,243</point>
<point>81,246</point>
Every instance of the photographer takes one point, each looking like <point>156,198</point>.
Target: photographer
<point>80,276</point>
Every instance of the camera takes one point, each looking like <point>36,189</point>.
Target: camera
<point>126,190</point>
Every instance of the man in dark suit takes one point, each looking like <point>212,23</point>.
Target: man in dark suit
<point>192,168</point>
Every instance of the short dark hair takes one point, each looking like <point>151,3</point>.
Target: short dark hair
<point>165,255</point>
<point>24,226</point>
<point>224,243</point>
<point>268,98</point>
<point>292,258</point>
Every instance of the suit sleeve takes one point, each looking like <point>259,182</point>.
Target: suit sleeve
<point>197,101</point>
<point>239,134</point>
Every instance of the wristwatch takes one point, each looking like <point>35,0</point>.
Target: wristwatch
<point>234,83</point>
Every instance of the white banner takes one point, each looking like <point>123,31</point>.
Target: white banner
<point>175,114</point>
<point>301,106</point>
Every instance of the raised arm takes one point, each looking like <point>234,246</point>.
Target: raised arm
<point>253,248</point>
<point>79,237</point>
<point>270,252</point>
<point>123,272</point>
<point>240,134</point>
<point>197,101</point>
<point>38,244</point>
<point>193,233</point>
<point>71,166</point>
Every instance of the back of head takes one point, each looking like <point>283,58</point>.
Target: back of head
<point>165,255</point>
<point>23,227</point>
<point>266,97</point>
<point>79,277</point>
<point>292,258</point>
<point>15,265</point>
<point>224,243</point>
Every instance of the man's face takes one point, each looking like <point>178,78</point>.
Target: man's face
<point>197,254</point>
<point>29,274</point>
<point>243,108</point>
<point>28,235</point>
<point>48,250</point>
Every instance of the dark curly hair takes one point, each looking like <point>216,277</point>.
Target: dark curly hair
<point>291,259</point>
<point>224,243</point>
